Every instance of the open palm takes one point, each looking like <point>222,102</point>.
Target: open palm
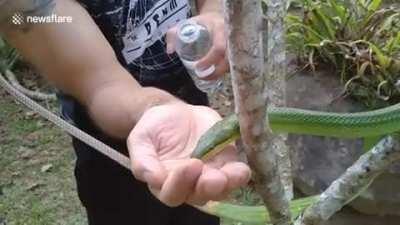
<point>160,146</point>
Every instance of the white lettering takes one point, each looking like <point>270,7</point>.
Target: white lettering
<point>49,19</point>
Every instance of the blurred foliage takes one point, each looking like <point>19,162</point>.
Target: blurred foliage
<point>8,55</point>
<point>360,39</point>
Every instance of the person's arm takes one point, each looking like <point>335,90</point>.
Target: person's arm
<point>77,58</point>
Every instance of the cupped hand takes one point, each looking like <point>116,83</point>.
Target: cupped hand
<point>160,146</point>
<point>217,55</point>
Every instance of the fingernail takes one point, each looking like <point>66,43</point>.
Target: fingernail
<point>201,67</point>
<point>205,72</point>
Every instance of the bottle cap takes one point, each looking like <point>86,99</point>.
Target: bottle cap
<point>188,31</point>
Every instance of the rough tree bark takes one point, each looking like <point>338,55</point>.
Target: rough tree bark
<point>244,31</point>
<point>356,179</point>
<point>275,77</point>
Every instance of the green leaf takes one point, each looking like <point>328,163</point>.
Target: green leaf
<point>389,23</point>
<point>374,5</point>
<point>340,11</point>
<point>392,44</point>
<point>310,32</point>
<point>383,60</point>
<point>326,23</point>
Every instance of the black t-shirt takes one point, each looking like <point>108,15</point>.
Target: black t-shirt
<point>136,29</point>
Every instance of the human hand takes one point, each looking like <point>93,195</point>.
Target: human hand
<point>215,23</point>
<point>160,146</point>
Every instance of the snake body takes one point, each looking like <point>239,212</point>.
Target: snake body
<point>299,121</point>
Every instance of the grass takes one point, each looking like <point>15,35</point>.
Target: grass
<point>36,176</point>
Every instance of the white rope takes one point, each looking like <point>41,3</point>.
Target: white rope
<point>35,95</point>
<point>65,126</point>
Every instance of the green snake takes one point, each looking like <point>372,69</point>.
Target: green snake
<point>368,125</point>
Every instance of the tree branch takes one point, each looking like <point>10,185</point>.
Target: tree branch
<point>275,76</point>
<point>355,180</point>
<point>244,30</point>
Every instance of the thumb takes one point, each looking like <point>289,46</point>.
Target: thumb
<point>170,39</point>
<point>146,165</point>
